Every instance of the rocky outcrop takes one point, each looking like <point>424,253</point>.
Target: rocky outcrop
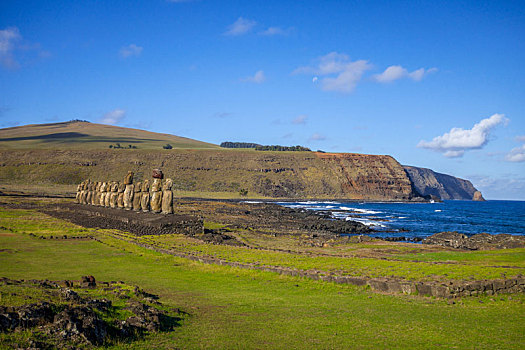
<point>478,197</point>
<point>430,183</point>
<point>70,320</point>
<point>481,241</point>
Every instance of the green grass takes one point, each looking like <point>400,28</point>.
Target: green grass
<point>80,135</point>
<point>232,308</point>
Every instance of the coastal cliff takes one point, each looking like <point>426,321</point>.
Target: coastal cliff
<point>428,182</point>
<point>196,172</point>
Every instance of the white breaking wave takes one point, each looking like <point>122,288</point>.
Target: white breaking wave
<point>365,222</point>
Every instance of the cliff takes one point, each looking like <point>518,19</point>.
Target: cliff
<point>428,182</point>
<point>198,172</point>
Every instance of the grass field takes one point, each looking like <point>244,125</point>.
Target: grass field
<point>231,308</point>
<point>84,135</point>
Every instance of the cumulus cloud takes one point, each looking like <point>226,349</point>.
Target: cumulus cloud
<point>454,143</point>
<point>301,119</point>
<point>8,39</point>
<point>257,78</point>
<point>130,50</point>
<point>113,117</point>
<point>337,72</point>
<point>517,154</point>
<point>317,137</point>
<point>394,73</point>
<point>271,31</point>
<point>240,26</point>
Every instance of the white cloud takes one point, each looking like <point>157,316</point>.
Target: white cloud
<point>301,119</point>
<point>130,50</point>
<point>240,26</point>
<point>516,154</point>
<point>455,142</point>
<point>337,71</point>
<point>317,137</point>
<point>257,78</point>
<point>8,38</point>
<point>506,186</point>
<point>394,73</point>
<point>113,117</point>
<point>271,31</point>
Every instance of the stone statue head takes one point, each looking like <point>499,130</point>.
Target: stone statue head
<point>157,185</point>
<point>129,178</point>
<point>145,186</point>
<point>138,187</point>
<point>114,186</point>
<point>168,184</point>
<point>121,187</point>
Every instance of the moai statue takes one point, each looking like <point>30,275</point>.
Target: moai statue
<point>137,196</point>
<point>91,193</point>
<point>120,197</point>
<point>107,198</point>
<point>156,191</point>
<point>102,194</point>
<point>84,192</point>
<point>144,202</point>
<point>114,194</point>
<point>96,198</point>
<point>79,189</point>
<point>88,193</point>
<point>167,197</point>
<point>129,191</point>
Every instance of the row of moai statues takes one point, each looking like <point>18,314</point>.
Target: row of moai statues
<point>129,196</point>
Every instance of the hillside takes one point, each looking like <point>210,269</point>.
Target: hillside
<point>263,174</point>
<point>58,156</point>
<point>429,182</point>
<point>85,135</point>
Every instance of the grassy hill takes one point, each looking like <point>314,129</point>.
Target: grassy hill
<point>40,157</point>
<point>91,136</point>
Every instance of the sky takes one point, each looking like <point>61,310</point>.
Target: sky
<point>435,84</point>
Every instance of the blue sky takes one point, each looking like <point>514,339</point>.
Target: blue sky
<point>435,84</point>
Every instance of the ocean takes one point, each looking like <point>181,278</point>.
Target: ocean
<point>419,220</point>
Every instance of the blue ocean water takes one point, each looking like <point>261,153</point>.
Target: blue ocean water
<point>424,219</point>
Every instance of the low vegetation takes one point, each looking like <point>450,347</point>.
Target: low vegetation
<point>227,307</point>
